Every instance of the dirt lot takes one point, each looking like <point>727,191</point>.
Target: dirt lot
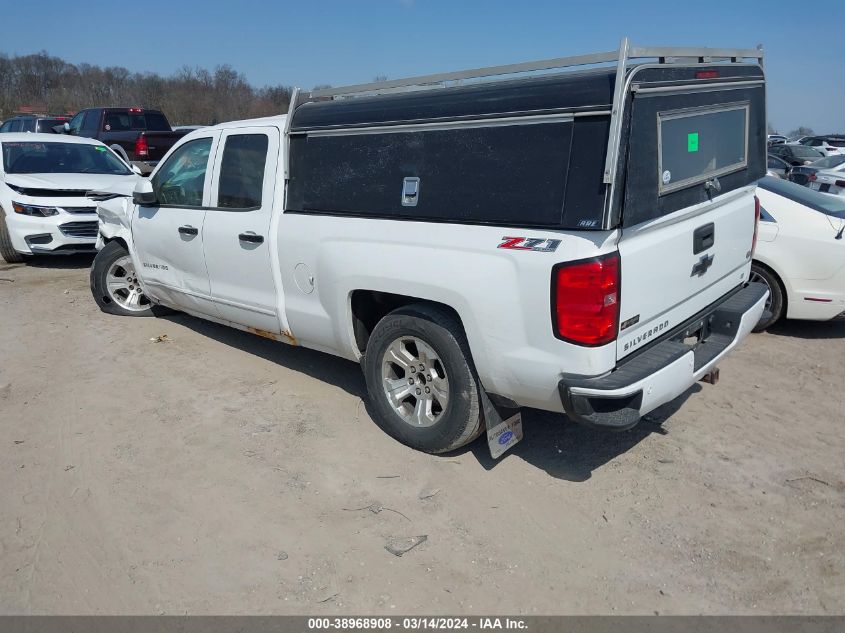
<point>223,473</point>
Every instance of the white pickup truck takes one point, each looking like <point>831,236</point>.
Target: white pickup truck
<point>577,242</point>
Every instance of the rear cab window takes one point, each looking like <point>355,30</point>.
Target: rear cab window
<point>135,121</point>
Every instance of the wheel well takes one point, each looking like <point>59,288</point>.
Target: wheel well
<point>370,306</point>
<point>119,240</point>
<point>778,279</point>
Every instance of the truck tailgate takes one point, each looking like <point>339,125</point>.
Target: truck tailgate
<point>159,143</point>
<point>696,150</point>
<point>664,281</point>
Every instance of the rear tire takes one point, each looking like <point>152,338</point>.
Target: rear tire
<point>434,409</point>
<point>114,283</point>
<point>7,251</point>
<point>775,304</point>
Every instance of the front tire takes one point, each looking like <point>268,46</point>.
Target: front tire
<point>775,304</point>
<point>421,381</point>
<point>7,251</point>
<point>114,283</point>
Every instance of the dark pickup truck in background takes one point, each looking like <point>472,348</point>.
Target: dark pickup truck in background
<point>139,135</point>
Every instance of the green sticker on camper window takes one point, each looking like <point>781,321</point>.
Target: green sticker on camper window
<point>692,142</point>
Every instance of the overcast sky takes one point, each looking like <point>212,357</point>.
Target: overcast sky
<point>338,42</point>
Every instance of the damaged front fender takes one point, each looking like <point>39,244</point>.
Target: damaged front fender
<point>114,211</point>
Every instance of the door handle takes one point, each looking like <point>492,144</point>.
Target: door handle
<point>188,230</point>
<point>251,237</point>
<point>703,238</point>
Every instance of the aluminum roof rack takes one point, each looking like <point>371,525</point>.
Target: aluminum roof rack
<point>621,58</point>
<point>625,51</point>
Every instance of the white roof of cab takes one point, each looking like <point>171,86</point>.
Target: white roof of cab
<point>276,121</point>
<point>19,137</point>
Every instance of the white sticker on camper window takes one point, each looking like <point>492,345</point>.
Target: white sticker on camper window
<point>667,177</point>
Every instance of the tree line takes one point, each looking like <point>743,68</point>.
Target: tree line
<point>801,130</point>
<point>188,96</point>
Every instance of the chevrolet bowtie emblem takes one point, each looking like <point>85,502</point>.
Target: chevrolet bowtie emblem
<point>702,266</point>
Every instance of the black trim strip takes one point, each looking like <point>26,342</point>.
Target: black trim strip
<point>185,206</point>
<point>507,225</point>
<point>599,109</point>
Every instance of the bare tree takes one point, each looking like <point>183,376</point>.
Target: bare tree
<point>801,130</point>
<point>190,95</point>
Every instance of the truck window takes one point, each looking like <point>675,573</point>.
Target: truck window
<point>156,122</point>
<point>242,171</point>
<point>76,123</point>
<point>181,180</point>
<point>699,144</point>
<point>90,122</point>
<point>118,122</point>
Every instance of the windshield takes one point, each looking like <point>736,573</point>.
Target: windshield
<point>61,158</point>
<point>821,202</point>
<point>829,162</point>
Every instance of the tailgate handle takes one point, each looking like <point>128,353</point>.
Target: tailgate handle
<point>703,238</point>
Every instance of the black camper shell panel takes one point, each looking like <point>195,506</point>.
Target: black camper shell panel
<point>522,153</point>
<point>570,92</point>
<point>734,104</point>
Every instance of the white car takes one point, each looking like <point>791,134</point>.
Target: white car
<point>830,181</point>
<point>800,253</point>
<point>827,145</point>
<point>43,182</point>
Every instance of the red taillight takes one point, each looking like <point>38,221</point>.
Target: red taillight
<point>141,148</point>
<point>756,224</point>
<point>585,300</point>
<point>840,183</point>
<point>811,178</point>
<point>707,74</point>
<point>134,110</point>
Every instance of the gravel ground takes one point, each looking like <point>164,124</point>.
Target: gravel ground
<point>219,472</point>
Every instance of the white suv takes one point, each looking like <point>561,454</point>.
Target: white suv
<point>827,145</point>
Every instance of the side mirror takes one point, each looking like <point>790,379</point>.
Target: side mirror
<point>144,195</point>
<point>136,169</point>
<point>59,129</point>
<point>66,127</point>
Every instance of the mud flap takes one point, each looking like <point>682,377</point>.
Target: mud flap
<point>502,434</point>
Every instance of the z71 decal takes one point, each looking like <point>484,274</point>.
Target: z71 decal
<point>538,244</point>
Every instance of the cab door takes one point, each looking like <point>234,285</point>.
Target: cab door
<point>168,235</point>
<point>236,236</point>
